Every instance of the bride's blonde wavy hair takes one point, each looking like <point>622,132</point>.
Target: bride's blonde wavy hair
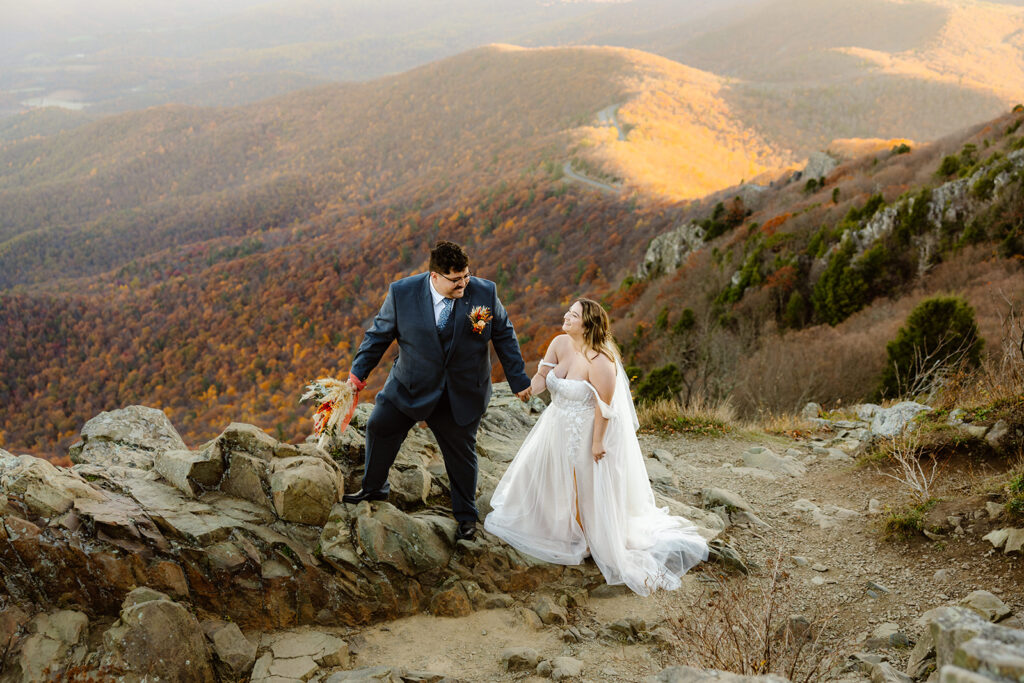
<point>597,333</point>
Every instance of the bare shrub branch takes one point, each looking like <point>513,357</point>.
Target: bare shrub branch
<point>904,451</point>
<point>748,627</point>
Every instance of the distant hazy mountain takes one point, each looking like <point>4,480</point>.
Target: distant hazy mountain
<point>800,72</point>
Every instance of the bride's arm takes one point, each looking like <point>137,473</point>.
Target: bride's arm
<point>602,377</point>
<point>539,382</point>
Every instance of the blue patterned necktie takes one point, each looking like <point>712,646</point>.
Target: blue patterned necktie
<point>446,313</point>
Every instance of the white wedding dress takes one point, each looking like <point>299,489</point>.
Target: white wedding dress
<point>632,541</point>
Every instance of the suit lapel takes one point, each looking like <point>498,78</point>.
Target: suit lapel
<point>427,311</point>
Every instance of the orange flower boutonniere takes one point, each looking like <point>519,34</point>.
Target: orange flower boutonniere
<point>479,317</point>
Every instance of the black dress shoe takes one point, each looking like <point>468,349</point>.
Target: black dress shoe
<point>360,496</point>
<point>466,531</point>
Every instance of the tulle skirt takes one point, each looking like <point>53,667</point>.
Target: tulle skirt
<point>556,504</point>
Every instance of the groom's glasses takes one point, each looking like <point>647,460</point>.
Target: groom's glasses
<point>457,280</point>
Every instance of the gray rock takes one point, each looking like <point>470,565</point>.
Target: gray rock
<point>544,668</point>
<point>893,420</point>
<point>549,611</point>
<point>977,431</point>
<point>954,674</point>
<point>686,674</point>
<point>751,472</point>
<point>53,637</point>
<point>410,485</point>
<point>520,659</point>
<point>190,471</point>
<point>986,604</point>
<point>304,489</point>
<point>887,635</point>
<point>876,590</point>
<point>664,456</point>
<point>670,250</point>
<point>366,674</point>
<point>994,510</point>
<point>323,648</point>
<point>811,410</point>
<point>659,474</point>
<point>1010,539</point>
<point>159,638</point>
<point>867,411</point>
<point>819,165</point>
<point>1014,541</point>
<point>997,433</point>
<point>250,440</point>
<point>235,654</point>
<point>248,477</point>
<point>718,496</point>
<point>884,672</point>
<point>565,667</point>
<point>767,460</point>
<point>337,543</point>
<point>412,544</point>
<point>48,491</point>
<point>128,437</point>
<point>997,652</point>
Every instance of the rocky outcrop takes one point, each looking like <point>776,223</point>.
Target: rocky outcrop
<point>251,530</point>
<point>668,251</point>
<point>129,437</point>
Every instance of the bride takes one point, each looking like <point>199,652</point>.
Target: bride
<point>578,485</point>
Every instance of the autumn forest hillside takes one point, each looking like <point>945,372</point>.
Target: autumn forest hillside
<point>211,261</point>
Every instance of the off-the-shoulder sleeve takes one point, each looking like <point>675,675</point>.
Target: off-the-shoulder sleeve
<point>544,362</point>
<point>606,409</point>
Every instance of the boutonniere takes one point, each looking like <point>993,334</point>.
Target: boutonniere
<point>479,317</point>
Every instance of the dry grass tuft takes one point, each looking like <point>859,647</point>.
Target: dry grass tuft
<point>786,424</point>
<point>701,417</point>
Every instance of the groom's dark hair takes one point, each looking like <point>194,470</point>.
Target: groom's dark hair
<point>448,257</point>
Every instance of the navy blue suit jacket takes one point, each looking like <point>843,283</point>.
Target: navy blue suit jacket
<point>422,370</point>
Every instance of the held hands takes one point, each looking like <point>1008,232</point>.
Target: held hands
<point>525,394</point>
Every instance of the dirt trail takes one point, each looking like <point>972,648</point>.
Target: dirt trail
<point>842,545</point>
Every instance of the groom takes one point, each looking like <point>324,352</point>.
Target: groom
<point>442,374</point>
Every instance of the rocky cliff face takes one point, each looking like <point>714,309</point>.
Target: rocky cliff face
<point>244,530</point>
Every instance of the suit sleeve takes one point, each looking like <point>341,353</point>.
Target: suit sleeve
<point>377,338</point>
<point>506,344</point>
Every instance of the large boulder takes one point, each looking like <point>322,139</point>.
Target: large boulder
<point>965,639</point>
<point>891,421</point>
<point>158,639</point>
<point>412,544</point>
<point>304,489</point>
<point>56,641</point>
<point>128,437</point>
<point>46,490</point>
<point>191,471</point>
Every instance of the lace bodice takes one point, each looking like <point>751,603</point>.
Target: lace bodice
<point>570,394</point>
<point>573,399</point>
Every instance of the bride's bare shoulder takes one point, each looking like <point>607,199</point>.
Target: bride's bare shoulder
<point>562,341</point>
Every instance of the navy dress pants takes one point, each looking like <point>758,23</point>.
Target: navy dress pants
<point>387,429</point>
